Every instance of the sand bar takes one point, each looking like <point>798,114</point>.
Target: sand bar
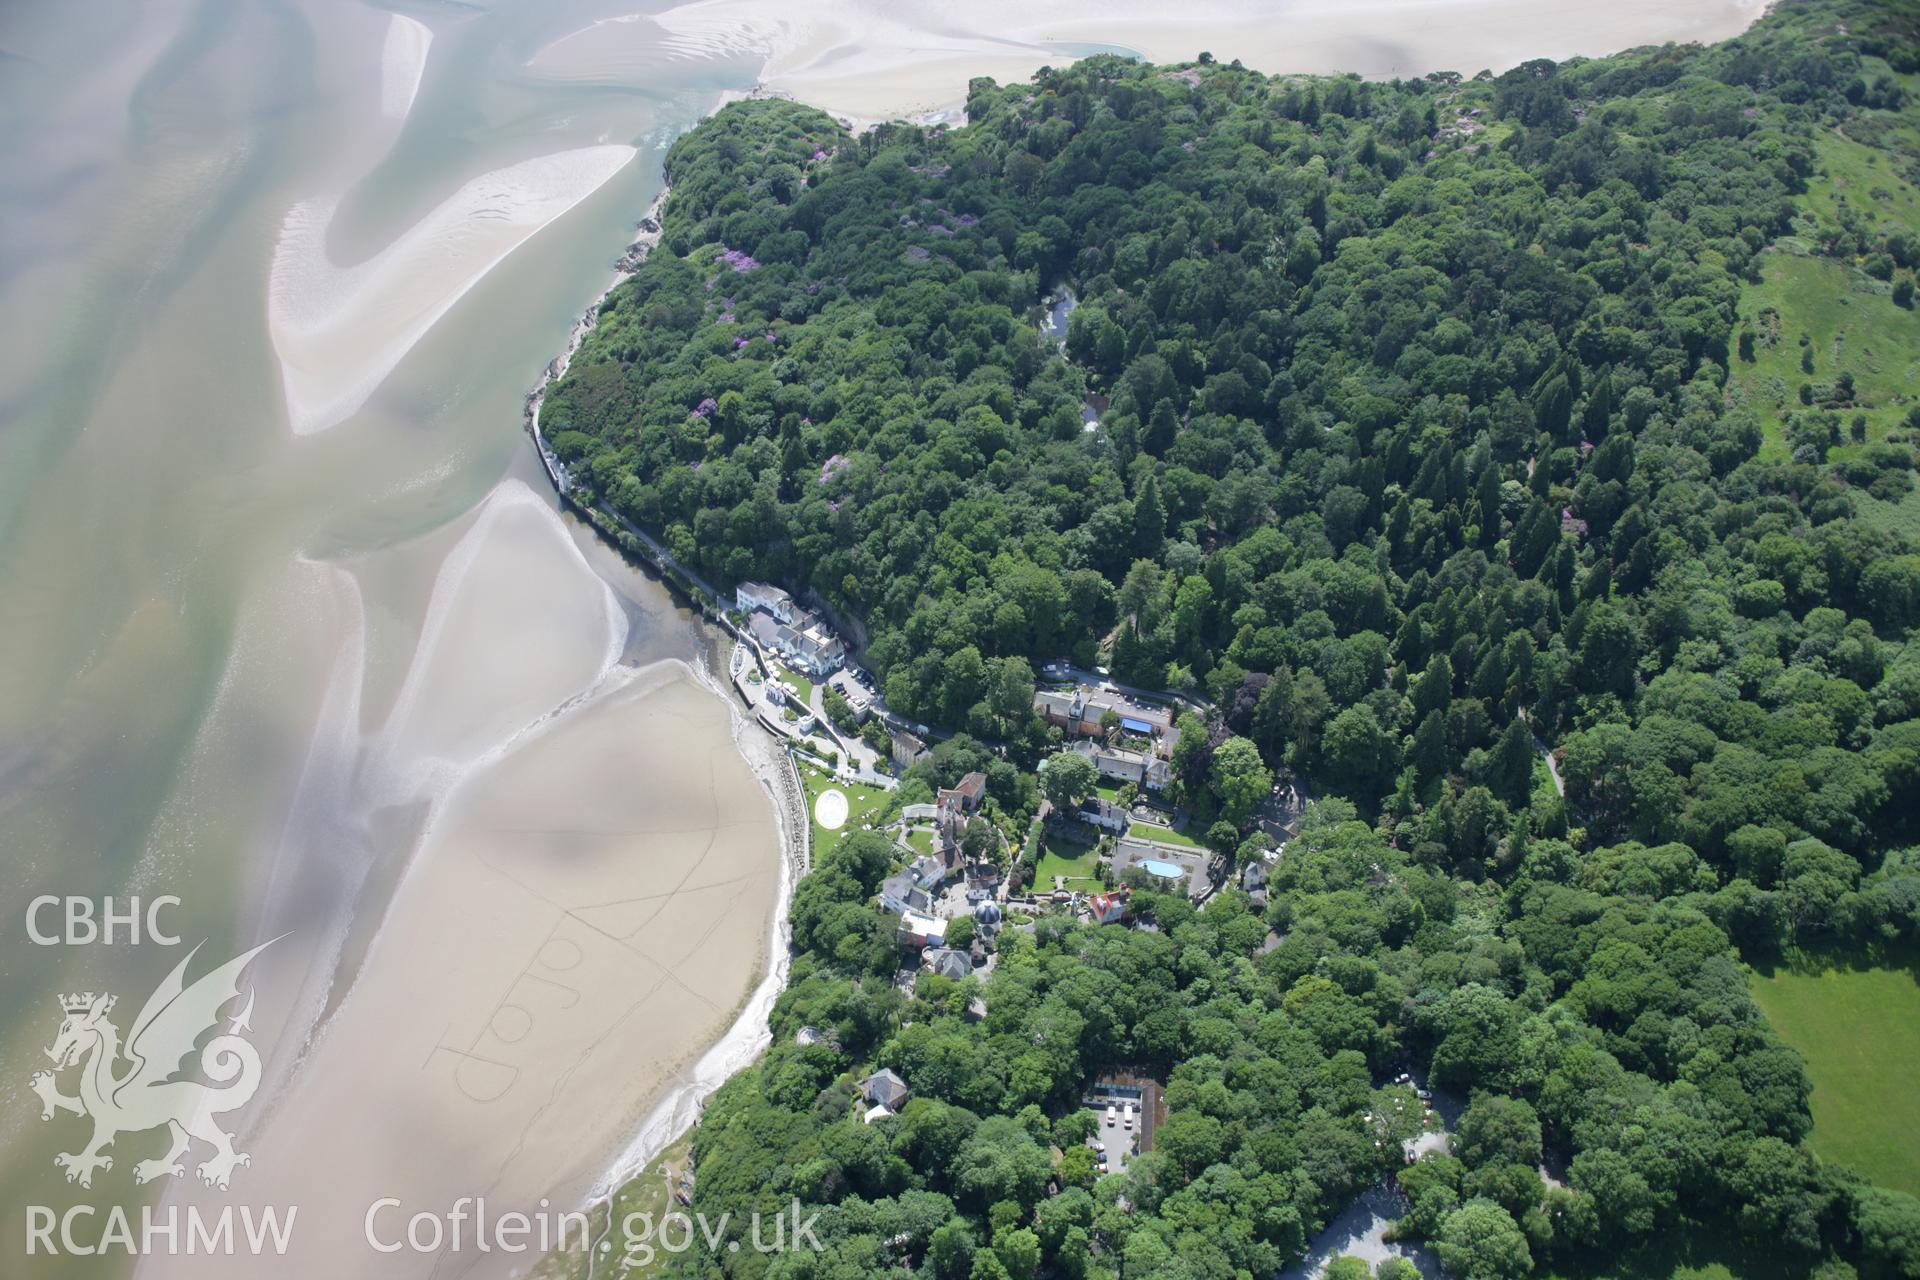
<point>403,60</point>
<point>552,629</point>
<point>339,331</point>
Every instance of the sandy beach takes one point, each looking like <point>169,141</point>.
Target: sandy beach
<point>870,60</point>
<point>581,922</point>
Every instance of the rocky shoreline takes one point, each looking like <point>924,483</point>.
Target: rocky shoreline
<point>648,235</point>
<point>622,534</point>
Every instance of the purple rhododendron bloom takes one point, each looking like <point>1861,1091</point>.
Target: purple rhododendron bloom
<point>705,407</point>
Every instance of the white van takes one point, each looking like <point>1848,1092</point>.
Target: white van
<point>1110,1113</point>
<point>1129,1115</point>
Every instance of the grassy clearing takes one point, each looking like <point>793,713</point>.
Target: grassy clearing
<point>1831,314</point>
<point>1850,324</point>
<point>1858,1027</point>
<point>1891,517</point>
<point>1861,179</point>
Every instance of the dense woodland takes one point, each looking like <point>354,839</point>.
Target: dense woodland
<point>1421,434</point>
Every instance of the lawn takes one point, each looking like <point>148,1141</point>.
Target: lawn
<point>921,839</point>
<point>1165,835</point>
<point>862,804</point>
<point>1077,862</point>
<point>800,683</point>
<point>1859,1029</point>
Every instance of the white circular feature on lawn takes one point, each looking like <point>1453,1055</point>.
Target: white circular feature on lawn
<point>830,810</point>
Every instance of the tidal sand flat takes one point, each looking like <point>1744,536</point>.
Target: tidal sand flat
<point>873,60</point>
<point>387,753</point>
<point>579,925</point>
<point>554,628</point>
<point>403,60</point>
<point>339,331</point>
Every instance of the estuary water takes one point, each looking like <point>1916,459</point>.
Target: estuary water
<point>293,632</point>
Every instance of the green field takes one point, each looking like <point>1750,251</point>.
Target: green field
<point>1077,862</point>
<point>1859,1030</point>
